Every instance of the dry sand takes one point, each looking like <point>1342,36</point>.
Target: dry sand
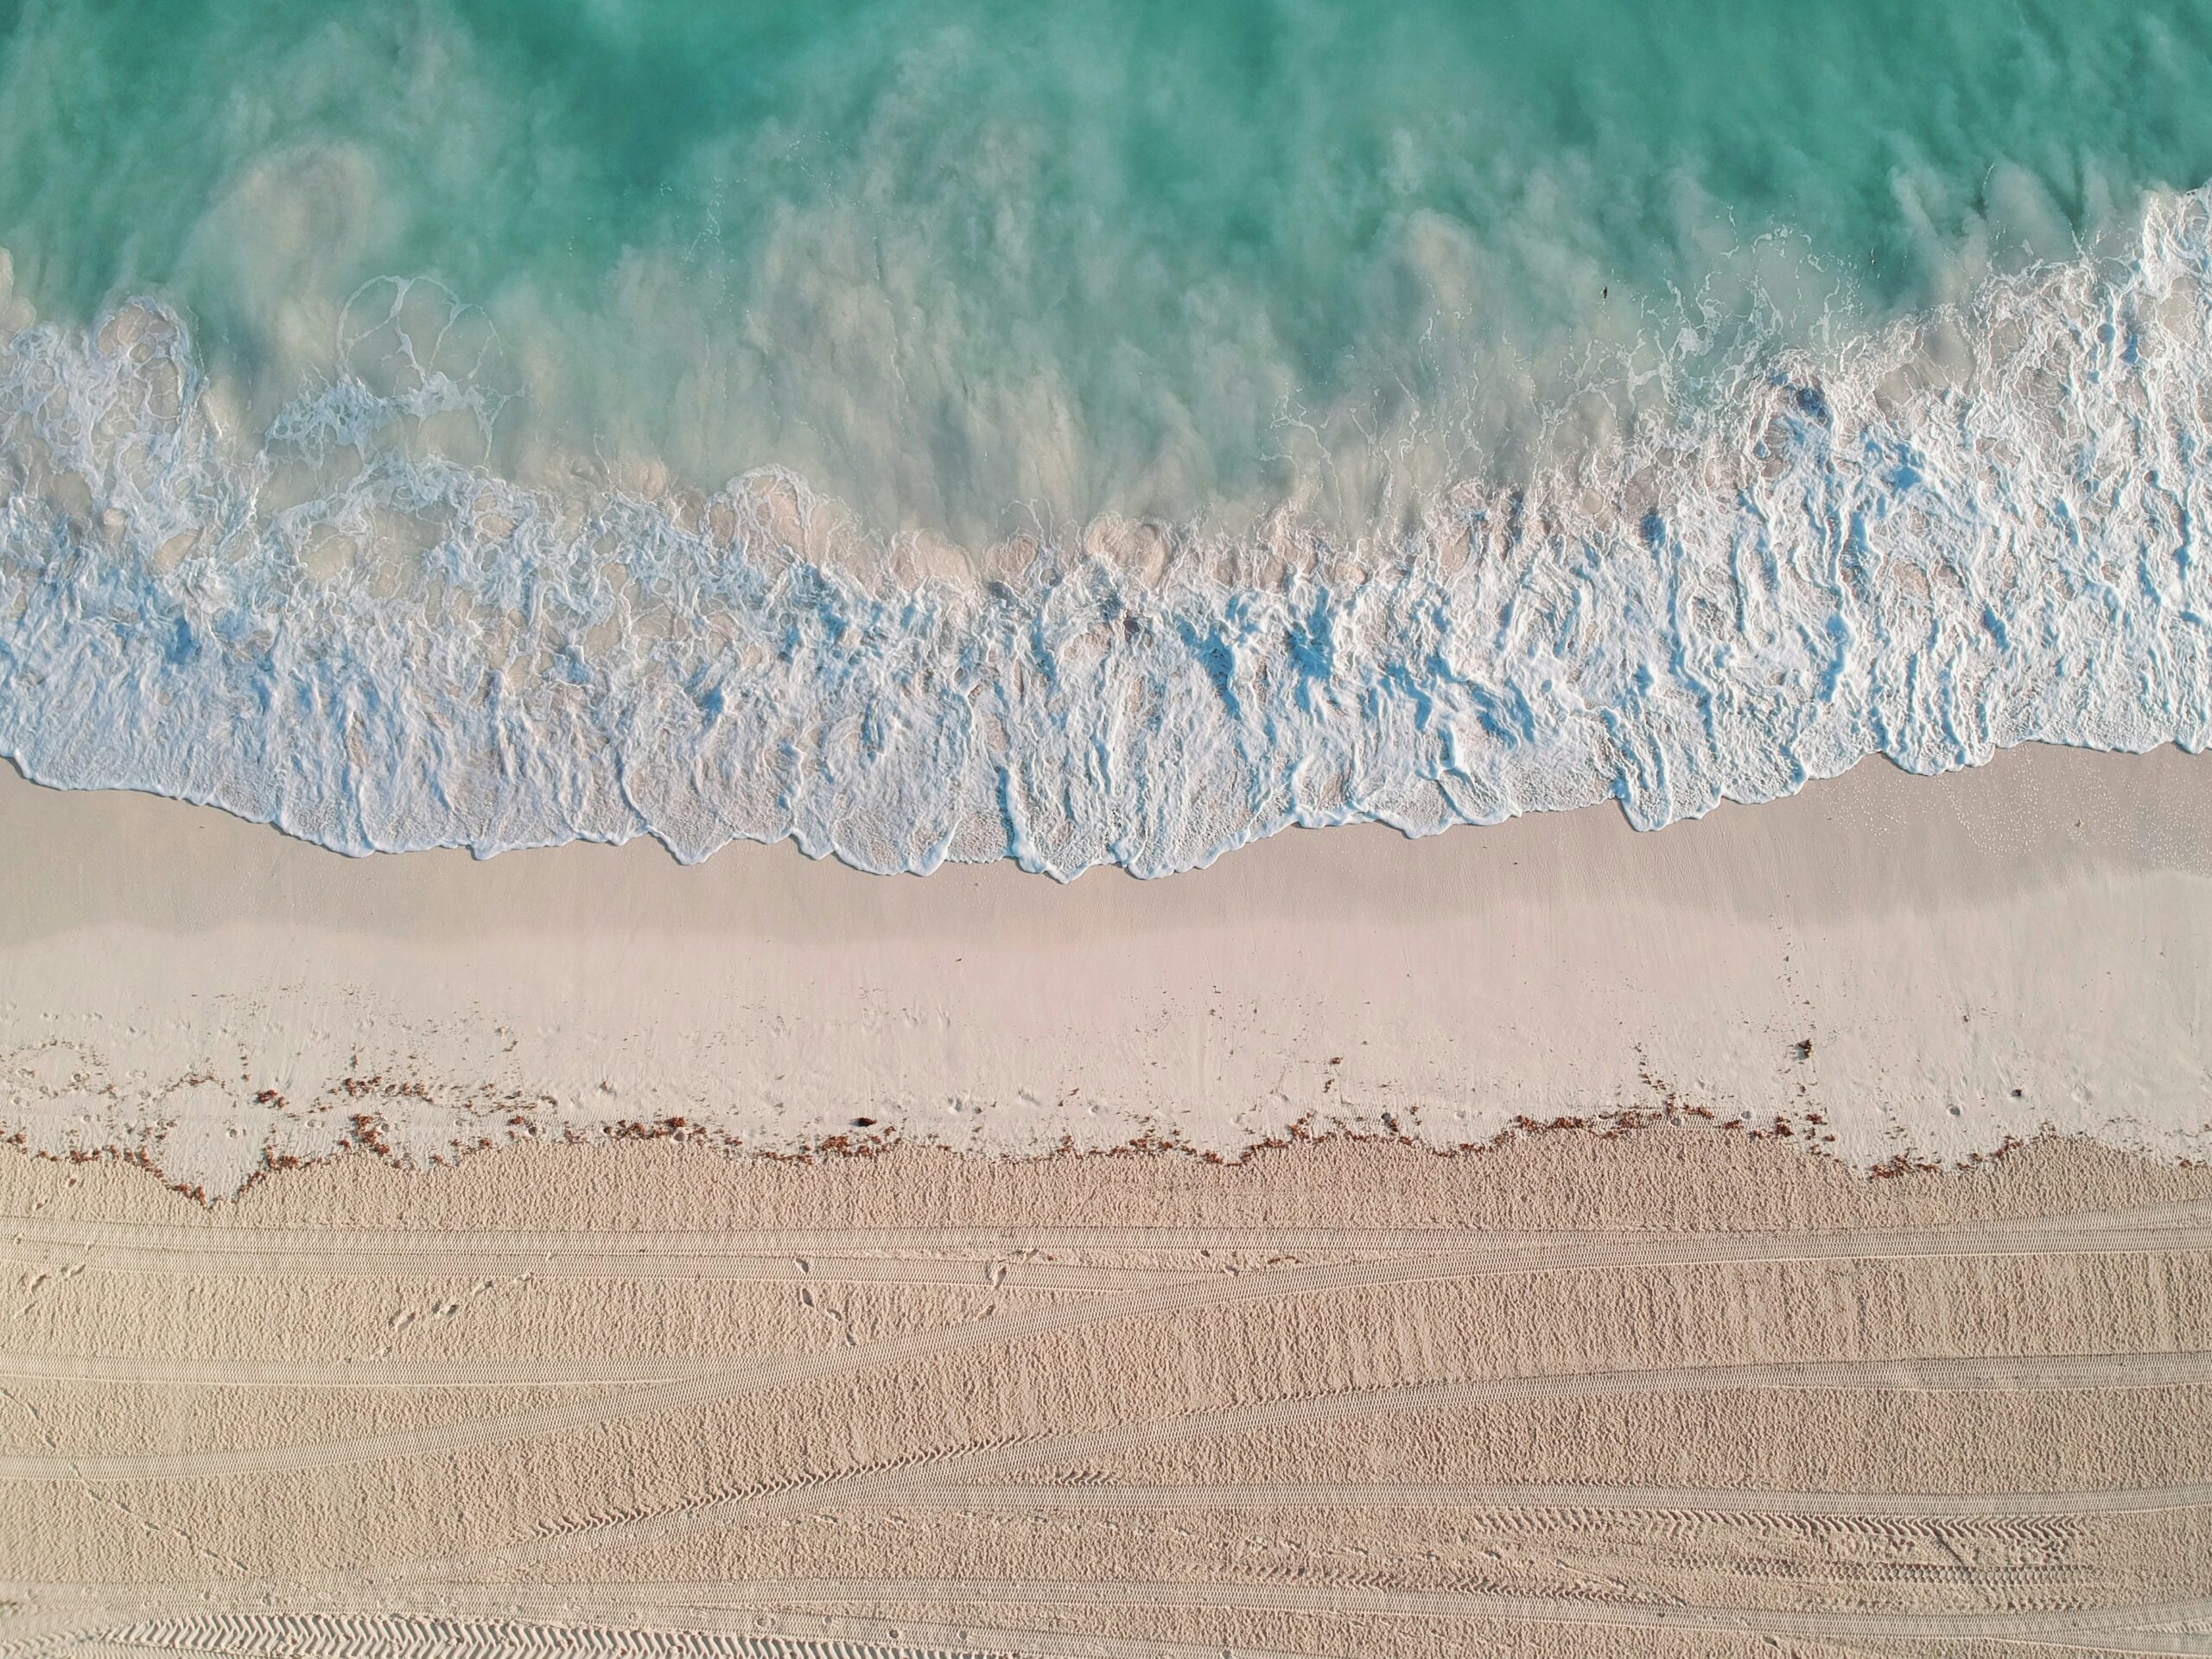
<point>1675,1393</point>
<point>1901,967</point>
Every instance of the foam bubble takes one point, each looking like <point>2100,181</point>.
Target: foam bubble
<point>1972,529</point>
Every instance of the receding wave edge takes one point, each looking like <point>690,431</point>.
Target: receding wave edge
<point>1973,529</point>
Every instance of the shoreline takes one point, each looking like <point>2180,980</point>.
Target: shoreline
<point>1721,611</point>
<point>1896,955</point>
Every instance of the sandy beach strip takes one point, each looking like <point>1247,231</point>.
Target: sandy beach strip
<point>1902,969</point>
<point>1675,1391</point>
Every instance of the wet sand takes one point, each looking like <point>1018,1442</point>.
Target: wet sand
<point>1899,969</point>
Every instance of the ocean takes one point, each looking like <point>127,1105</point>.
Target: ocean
<point>1095,432</point>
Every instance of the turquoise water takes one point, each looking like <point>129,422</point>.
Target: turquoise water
<point>1093,431</point>
<point>957,261</point>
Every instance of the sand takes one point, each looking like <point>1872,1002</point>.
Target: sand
<point>1864,1306</point>
<point>1677,1392</point>
<point>1900,968</point>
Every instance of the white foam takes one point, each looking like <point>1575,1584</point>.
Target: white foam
<point>1970,530</point>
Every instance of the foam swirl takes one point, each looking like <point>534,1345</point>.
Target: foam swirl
<point>1972,529</point>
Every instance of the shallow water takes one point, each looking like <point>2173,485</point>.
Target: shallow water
<point>1091,433</point>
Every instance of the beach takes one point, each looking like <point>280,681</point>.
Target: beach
<point>948,829</point>
<point>1672,1393</point>
<point>1892,969</point>
<point>1783,1229</point>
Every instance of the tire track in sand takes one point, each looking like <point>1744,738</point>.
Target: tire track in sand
<point>1228,1288</point>
<point>2112,1630</point>
<point>1993,1506</point>
<point>893,1484</point>
<point>888,1253</point>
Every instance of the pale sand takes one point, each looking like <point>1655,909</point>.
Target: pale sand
<point>1970,959</point>
<point>1685,1392</point>
<point>1675,1393</point>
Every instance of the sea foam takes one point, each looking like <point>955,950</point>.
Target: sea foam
<point>1972,529</point>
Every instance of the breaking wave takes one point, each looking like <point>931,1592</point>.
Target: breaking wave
<point>1972,529</point>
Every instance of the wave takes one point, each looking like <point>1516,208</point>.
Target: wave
<point>1972,529</point>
